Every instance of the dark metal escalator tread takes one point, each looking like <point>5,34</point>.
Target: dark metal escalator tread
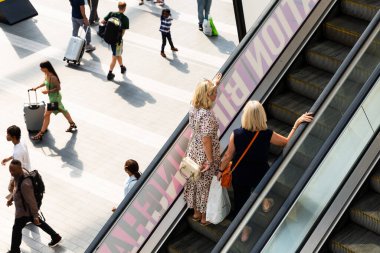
<point>191,242</point>
<point>366,212</point>
<point>364,9</point>
<point>212,232</point>
<point>345,29</point>
<point>354,238</point>
<point>287,107</point>
<point>375,179</point>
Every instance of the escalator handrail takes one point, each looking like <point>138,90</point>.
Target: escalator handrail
<point>332,137</point>
<point>318,103</point>
<point>174,136</point>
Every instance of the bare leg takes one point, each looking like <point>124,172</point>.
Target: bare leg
<point>45,125</point>
<point>119,60</point>
<point>197,215</point>
<point>113,63</point>
<point>68,117</point>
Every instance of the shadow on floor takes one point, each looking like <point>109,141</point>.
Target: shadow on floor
<point>68,154</point>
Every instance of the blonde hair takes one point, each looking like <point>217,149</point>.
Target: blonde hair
<point>254,117</point>
<point>202,94</point>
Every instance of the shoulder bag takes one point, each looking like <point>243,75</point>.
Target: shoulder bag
<point>227,172</point>
<point>188,168</point>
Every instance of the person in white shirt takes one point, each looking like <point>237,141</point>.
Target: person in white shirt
<point>131,167</point>
<point>20,150</point>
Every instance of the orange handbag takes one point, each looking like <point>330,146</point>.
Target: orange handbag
<point>226,179</point>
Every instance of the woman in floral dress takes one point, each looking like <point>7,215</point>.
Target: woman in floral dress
<point>204,147</point>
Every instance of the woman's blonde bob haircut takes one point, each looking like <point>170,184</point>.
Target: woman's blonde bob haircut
<point>254,117</point>
<point>202,95</point>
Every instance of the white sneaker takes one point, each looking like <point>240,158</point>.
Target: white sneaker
<point>89,48</point>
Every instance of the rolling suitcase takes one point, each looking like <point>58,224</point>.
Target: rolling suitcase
<point>34,114</point>
<point>75,49</point>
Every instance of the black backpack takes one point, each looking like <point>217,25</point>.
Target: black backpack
<point>38,187</point>
<point>113,31</point>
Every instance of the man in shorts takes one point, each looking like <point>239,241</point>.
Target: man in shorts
<point>117,49</point>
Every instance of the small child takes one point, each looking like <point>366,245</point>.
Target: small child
<point>166,22</point>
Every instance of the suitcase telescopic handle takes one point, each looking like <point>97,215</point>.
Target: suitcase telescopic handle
<point>35,92</point>
<point>85,33</point>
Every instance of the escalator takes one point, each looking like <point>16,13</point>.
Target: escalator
<point>359,230</point>
<point>154,214</point>
<point>295,94</point>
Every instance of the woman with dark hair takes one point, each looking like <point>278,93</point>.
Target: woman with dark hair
<point>53,86</point>
<point>131,167</point>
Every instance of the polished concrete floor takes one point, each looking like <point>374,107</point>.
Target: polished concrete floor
<point>130,117</point>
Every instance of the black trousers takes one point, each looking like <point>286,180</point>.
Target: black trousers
<point>164,37</point>
<point>17,231</point>
<point>94,10</point>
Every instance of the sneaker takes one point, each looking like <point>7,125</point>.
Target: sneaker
<point>174,49</point>
<point>141,3</point>
<point>90,48</point>
<point>110,76</point>
<point>123,69</point>
<point>163,54</point>
<point>200,27</point>
<point>10,251</point>
<point>94,23</point>
<point>54,241</point>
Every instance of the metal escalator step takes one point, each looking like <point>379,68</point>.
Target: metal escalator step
<point>327,55</point>
<point>288,107</point>
<point>366,212</point>
<point>211,232</point>
<point>375,179</point>
<point>285,182</point>
<point>191,243</point>
<point>308,81</point>
<point>355,239</point>
<point>364,9</point>
<point>344,29</point>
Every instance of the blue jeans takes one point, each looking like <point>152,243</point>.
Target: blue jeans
<point>77,23</point>
<point>203,10</point>
<point>169,38</point>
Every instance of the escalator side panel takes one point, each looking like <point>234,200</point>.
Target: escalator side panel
<point>161,189</point>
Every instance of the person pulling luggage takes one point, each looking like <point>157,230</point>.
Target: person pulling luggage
<point>53,86</point>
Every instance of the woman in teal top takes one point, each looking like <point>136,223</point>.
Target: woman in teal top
<point>53,86</point>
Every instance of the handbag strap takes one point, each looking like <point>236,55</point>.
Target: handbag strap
<point>245,151</point>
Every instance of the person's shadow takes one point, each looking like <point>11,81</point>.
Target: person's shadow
<point>68,154</point>
<point>224,46</point>
<point>133,94</point>
<point>175,62</point>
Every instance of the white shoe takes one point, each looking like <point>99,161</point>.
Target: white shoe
<point>89,48</point>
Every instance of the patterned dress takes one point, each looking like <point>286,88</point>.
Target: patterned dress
<point>203,123</point>
<point>55,97</point>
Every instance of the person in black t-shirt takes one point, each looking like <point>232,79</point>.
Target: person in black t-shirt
<point>79,18</point>
<point>117,49</point>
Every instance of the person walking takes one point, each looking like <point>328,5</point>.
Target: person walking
<point>166,22</point>
<point>253,166</point>
<point>131,167</point>
<point>203,11</point>
<point>94,18</point>
<point>117,49</point>
<point>26,208</point>
<point>204,147</point>
<point>20,150</point>
<point>79,18</point>
<point>53,86</point>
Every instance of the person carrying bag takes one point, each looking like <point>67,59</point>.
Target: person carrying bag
<point>226,179</point>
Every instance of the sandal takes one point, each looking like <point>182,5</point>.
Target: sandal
<point>72,127</point>
<point>196,218</point>
<point>38,137</point>
<point>205,223</point>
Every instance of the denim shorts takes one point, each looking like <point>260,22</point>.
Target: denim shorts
<point>117,49</point>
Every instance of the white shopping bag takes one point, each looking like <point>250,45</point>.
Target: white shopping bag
<point>218,203</point>
<point>207,27</point>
